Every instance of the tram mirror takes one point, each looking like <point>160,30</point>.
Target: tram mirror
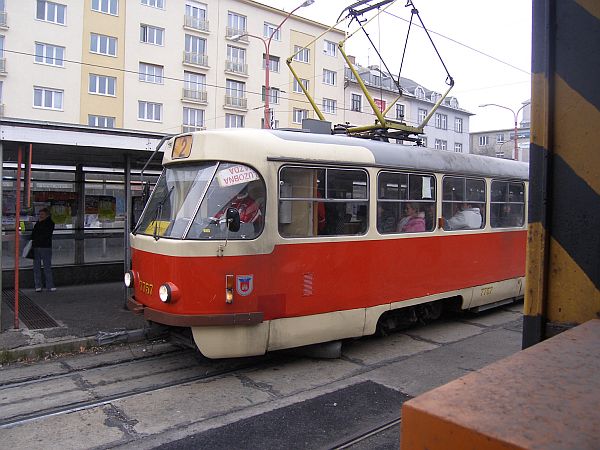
<point>233,219</point>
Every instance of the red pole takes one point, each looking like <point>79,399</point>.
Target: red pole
<point>516,139</point>
<point>267,85</point>
<point>28,177</point>
<point>17,232</point>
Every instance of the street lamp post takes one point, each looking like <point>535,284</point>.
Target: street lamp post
<point>267,44</point>
<point>515,114</point>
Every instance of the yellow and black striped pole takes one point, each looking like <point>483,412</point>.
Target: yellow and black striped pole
<point>563,252</point>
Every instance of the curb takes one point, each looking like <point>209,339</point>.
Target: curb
<point>40,351</point>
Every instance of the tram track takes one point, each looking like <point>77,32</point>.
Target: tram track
<point>74,370</point>
<point>363,435</point>
<point>10,392</point>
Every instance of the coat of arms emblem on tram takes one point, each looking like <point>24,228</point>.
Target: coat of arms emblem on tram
<point>244,284</point>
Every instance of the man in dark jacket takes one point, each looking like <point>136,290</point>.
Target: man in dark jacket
<point>42,250</point>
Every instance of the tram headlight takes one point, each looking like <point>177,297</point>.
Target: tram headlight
<point>168,293</point>
<point>128,278</point>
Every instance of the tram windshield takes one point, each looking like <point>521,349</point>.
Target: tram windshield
<point>190,202</point>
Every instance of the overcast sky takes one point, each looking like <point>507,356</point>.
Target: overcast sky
<point>498,34</point>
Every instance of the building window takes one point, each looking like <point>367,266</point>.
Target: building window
<point>52,55</point>
<point>102,85</point>
<point>193,119</point>
<point>440,144</point>
<point>329,106</point>
<point>101,121</point>
<point>330,48</point>
<point>483,141</point>
<point>236,60</point>
<point>424,142</point>
<point>149,111</point>
<point>356,102</point>
<point>235,88</point>
<point>273,124</point>
<point>299,114</point>
<point>194,81</point>
<point>236,24</point>
<point>234,121</point>
<point>441,121</point>
<point>151,73</point>
<point>235,94</point>
<point>106,6</point>
<point>419,92</point>
<point>195,50</point>
<point>47,98</point>
<point>160,4</point>
<point>273,62</point>
<point>399,111</point>
<point>51,12</point>
<point>329,77</point>
<point>422,115</point>
<point>275,93</point>
<point>197,13</point>
<point>297,88</point>
<point>500,138</point>
<point>152,35</point>
<point>457,147</point>
<point>380,104</point>
<point>458,124</point>
<point>301,54</point>
<point>103,45</point>
<point>269,30</point>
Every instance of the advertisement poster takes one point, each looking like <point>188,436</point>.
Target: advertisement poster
<point>99,208</point>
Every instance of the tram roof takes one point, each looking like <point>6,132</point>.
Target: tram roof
<point>364,152</point>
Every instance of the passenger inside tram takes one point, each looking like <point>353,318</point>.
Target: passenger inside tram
<point>414,220</point>
<point>466,217</point>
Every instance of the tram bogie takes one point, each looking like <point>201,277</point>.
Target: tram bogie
<point>264,240</point>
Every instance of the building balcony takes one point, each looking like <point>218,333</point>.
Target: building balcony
<point>236,102</point>
<point>3,21</point>
<point>196,59</point>
<point>236,66</point>
<point>2,66</point>
<point>194,95</point>
<point>191,128</point>
<point>231,32</point>
<point>195,24</point>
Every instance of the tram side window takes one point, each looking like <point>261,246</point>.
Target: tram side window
<point>405,203</point>
<point>463,203</point>
<point>322,202</point>
<point>507,208</point>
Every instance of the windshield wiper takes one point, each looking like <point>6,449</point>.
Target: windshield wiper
<point>158,214</point>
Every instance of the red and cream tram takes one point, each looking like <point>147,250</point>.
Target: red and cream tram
<point>263,240</point>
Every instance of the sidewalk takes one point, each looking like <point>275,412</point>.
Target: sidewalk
<point>81,314</point>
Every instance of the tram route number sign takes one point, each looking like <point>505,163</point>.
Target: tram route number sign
<point>236,175</point>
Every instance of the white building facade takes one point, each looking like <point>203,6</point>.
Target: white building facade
<point>448,128</point>
<point>161,65</point>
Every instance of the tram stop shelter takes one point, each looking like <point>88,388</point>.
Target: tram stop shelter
<point>89,179</point>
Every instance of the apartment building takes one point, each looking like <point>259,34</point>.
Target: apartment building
<point>448,128</point>
<point>500,143</point>
<point>162,65</point>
